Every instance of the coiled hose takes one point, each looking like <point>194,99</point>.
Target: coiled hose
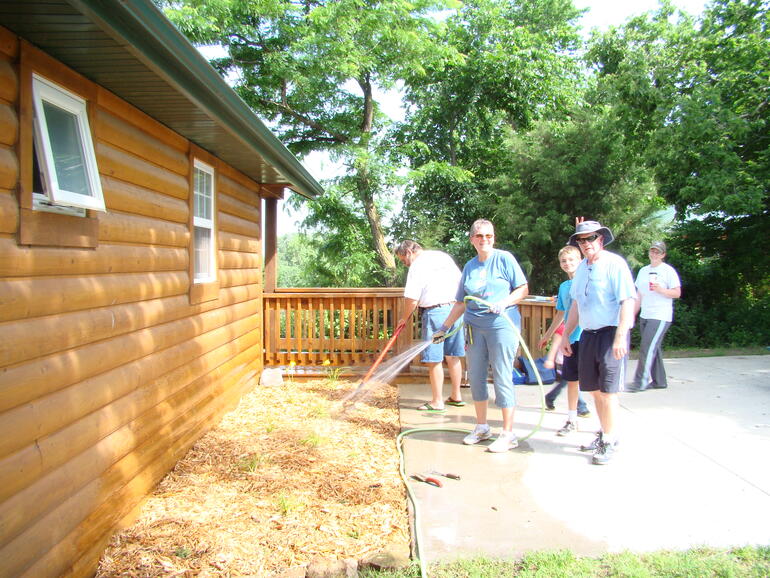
<point>403,434</point>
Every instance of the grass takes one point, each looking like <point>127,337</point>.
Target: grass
<point>252,463</point>
<point>288,504</point>
<point>715,352</point>
<point>678,352</point>
<point>749,562</point>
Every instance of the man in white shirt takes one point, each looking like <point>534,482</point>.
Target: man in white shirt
<point>431,285</point>
<point>657,286</point>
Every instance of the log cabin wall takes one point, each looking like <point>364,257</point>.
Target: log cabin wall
<point>112,363</point>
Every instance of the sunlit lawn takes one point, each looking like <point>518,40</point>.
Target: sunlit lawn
<point>697,563</point>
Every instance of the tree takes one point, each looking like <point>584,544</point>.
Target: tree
<point>312,68</point>
<point>520,65</point>
<point>696,102</point>
<point>561,169</point>
<point>693,99</point>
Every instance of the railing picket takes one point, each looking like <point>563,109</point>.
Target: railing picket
<point>349,327</point>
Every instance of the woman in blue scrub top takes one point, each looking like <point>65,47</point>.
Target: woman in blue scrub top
<point>495,276</point>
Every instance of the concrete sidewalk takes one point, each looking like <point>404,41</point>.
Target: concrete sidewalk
<point>693,469</point>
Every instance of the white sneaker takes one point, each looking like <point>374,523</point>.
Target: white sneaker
<point>479,434</point>
<point>505,441</point>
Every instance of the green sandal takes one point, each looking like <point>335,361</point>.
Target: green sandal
<point>454,402</point>
<point>428,407</point>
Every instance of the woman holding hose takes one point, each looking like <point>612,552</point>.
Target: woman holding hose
<point>495,277</point>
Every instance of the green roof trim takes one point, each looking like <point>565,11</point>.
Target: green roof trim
<point>153,66</point>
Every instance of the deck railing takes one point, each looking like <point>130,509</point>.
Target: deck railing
<point>339,327</point>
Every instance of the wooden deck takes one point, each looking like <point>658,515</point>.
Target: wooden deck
<point>308,330</point>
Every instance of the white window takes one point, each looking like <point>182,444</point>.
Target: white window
<point>203,222</point>
<point>63,150</point>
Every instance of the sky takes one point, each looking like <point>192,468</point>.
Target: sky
<point>602,14</point>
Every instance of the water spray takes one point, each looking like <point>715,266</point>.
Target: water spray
<point>391,369</point>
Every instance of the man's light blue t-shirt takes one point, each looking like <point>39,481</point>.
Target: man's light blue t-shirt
<point>563,303</point>
<point>493,281</point>
<point>600,288</point>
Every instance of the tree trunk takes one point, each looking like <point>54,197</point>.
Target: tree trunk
<point>386,258</point>
<point>366,194</point>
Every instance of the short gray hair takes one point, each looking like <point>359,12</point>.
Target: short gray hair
<point>407,246</point>
<point>477,224</point>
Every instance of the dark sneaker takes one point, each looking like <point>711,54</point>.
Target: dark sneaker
<point>584,413</point>
<point>549,404</point>
<point>568,428</point>
<point>603,454</point>
<point>592,447</point>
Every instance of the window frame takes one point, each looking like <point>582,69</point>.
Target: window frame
<point>47,91</point>
<point>203,289</point>
<point>203,222</point>
<point>45,227</point>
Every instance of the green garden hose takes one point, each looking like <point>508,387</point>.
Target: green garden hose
<point>400,437</point>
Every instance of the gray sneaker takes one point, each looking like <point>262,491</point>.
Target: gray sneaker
<point>603,454</point>
<point>479,434</point>
<point>568,428</point>
<point>594,444</point>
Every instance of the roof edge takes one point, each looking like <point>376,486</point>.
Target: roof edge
<point>154,40</point>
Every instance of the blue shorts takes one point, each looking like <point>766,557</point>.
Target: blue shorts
<point>453,346</point>
<point>495,348</point>
<point>597,367</point>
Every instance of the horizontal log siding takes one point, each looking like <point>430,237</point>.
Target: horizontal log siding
<point>9,168</point>
<point>171,443</point>
<point>206,404</point>
<point>28,297</point>
<point>107,373</point>
<point>9,125</point>
<point>9,212</point>
<point>91,430</point>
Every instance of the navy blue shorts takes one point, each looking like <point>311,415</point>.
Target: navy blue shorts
<point>598,370</point>
<point>569,365</point>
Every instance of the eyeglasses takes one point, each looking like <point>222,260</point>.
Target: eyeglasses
<point>480,236</point>
<point>589,239</point>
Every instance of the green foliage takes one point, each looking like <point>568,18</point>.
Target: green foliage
<point>183,552</point>
<point>504,122</point>
<point>337,254</point>
<point>562,169</point>
<point>287,504</point>
<point>692,100</point>
<point>725,282</point>
<point>518,66</point>
<point>253,462</point>
<point>312,69</point>
<point>333,374</point>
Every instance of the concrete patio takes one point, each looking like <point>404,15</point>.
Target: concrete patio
<point>693,470</point>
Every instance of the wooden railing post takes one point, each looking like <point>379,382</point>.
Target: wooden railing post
<point>271,244</point>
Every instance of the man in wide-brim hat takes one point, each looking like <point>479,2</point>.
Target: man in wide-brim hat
<point>603,299</point>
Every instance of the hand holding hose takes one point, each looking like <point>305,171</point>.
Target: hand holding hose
<point>497,308</point>
<point>440,335</point>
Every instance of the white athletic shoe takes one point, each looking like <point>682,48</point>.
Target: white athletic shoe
<point>479,434</point>
<point>507,440</point>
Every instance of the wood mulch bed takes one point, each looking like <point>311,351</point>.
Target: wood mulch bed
<point>290,475</point>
